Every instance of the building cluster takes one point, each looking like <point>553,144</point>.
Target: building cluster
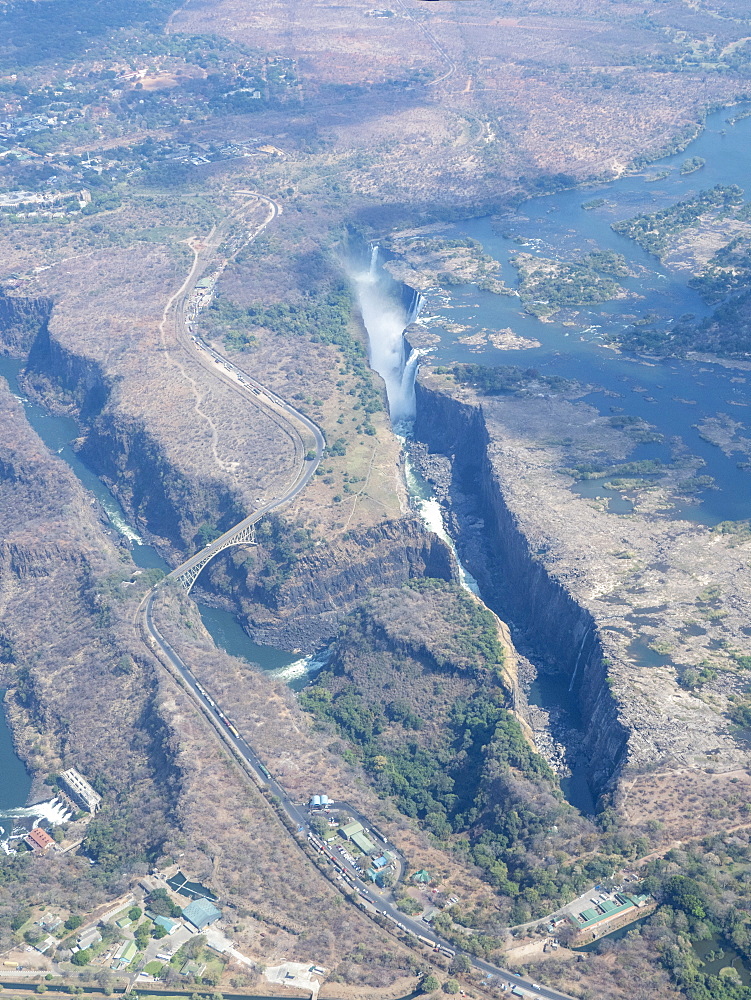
<point>357,844</point>
<point>19,126</point>
<point>74,794</point>
<point>118,955</point>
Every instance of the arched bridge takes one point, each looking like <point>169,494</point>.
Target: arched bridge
<point>242,534</point>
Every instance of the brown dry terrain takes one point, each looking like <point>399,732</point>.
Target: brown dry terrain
<point>84,692</point>
<point>669,598</point>
<point>435,110</point>
<point>552,88</point>
<point>305,760</point>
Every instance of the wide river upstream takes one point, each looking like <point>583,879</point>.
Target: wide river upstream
<point>673,395</point>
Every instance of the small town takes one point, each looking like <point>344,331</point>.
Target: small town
<point>169,928</point>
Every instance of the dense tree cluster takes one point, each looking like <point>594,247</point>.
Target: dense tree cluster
<point>416,685</point>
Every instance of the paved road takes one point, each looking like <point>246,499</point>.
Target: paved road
<point>295,423</point>
<point>371,900</point>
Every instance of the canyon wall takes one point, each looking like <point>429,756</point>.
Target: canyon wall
<point>21,319</point>
<point>457,455</point>
<point>293,598</point>
<point>303,603</point>
<point>157,497</point>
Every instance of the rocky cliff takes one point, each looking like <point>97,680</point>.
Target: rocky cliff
<point>20,321</point>
<point>509,565</point>
<point>294,597</point>
<point>617,608</point>
<point>300,602</point>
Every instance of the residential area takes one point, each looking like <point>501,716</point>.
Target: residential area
<point>164,927</point>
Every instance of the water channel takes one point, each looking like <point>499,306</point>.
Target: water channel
<point>58,433</point>
<point>674,395</point>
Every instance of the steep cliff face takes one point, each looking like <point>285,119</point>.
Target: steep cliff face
<point>157,497</point>
<point>510,568</point>
<point>171,506</point>
<point>20,321</point>
<point>302,603</point>
<point>297,598</point>
<point>82,691</point>
<point>69,379</point>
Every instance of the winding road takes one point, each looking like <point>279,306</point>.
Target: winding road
<point>309,444</point>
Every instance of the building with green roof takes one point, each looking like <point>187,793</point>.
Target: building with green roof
<point>350,829</point>
<point>622,904</point>
<point>361,841</point>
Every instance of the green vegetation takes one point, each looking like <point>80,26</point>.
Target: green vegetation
<point>503,380</point>
<point>323,317</point>
<point>703,893</point>
<point>410,906</point>
<point>608,262</point>
<point>599,470</point>
<point>692,164</point>
<point>654,232</point>
<point>545,286</point>
<point>727,273</point>
<point>430,984</point>
<point>416,690</point>
<point>160,904</point>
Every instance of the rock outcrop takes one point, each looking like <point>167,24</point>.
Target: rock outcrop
<point>20,321</point>
<point>313,592</point>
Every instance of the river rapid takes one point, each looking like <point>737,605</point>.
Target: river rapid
<point>674,395</point>
<point>59,433</point>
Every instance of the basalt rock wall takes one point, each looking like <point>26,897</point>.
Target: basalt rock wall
<point>305,604</point>
<point>455,450</point>
<point>21,319</point>
<point>168,505</point>
<point>297,602</point>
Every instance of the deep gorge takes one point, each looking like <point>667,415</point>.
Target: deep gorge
<point>304,609</point>
<point>312,591</point>
<point>558,634</point>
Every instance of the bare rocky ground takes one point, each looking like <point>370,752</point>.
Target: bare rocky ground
<point>304,757</point>
<point>84,691</point>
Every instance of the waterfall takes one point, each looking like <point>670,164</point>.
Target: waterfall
<point>386,313</point>
<point>407,389</point>
<point>54,811</point>
<point>576,665</point>
<point>415,306</point>
<point>373,261</point>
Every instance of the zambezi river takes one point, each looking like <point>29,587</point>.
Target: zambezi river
<point>674,395</point>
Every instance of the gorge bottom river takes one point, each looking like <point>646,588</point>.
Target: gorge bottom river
<point>58,433</point>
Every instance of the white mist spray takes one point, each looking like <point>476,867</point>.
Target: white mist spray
<point>385,319</point>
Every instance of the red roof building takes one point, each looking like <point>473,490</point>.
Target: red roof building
<point>39,840</point>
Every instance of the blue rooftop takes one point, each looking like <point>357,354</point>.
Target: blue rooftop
<point>201,913</point>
